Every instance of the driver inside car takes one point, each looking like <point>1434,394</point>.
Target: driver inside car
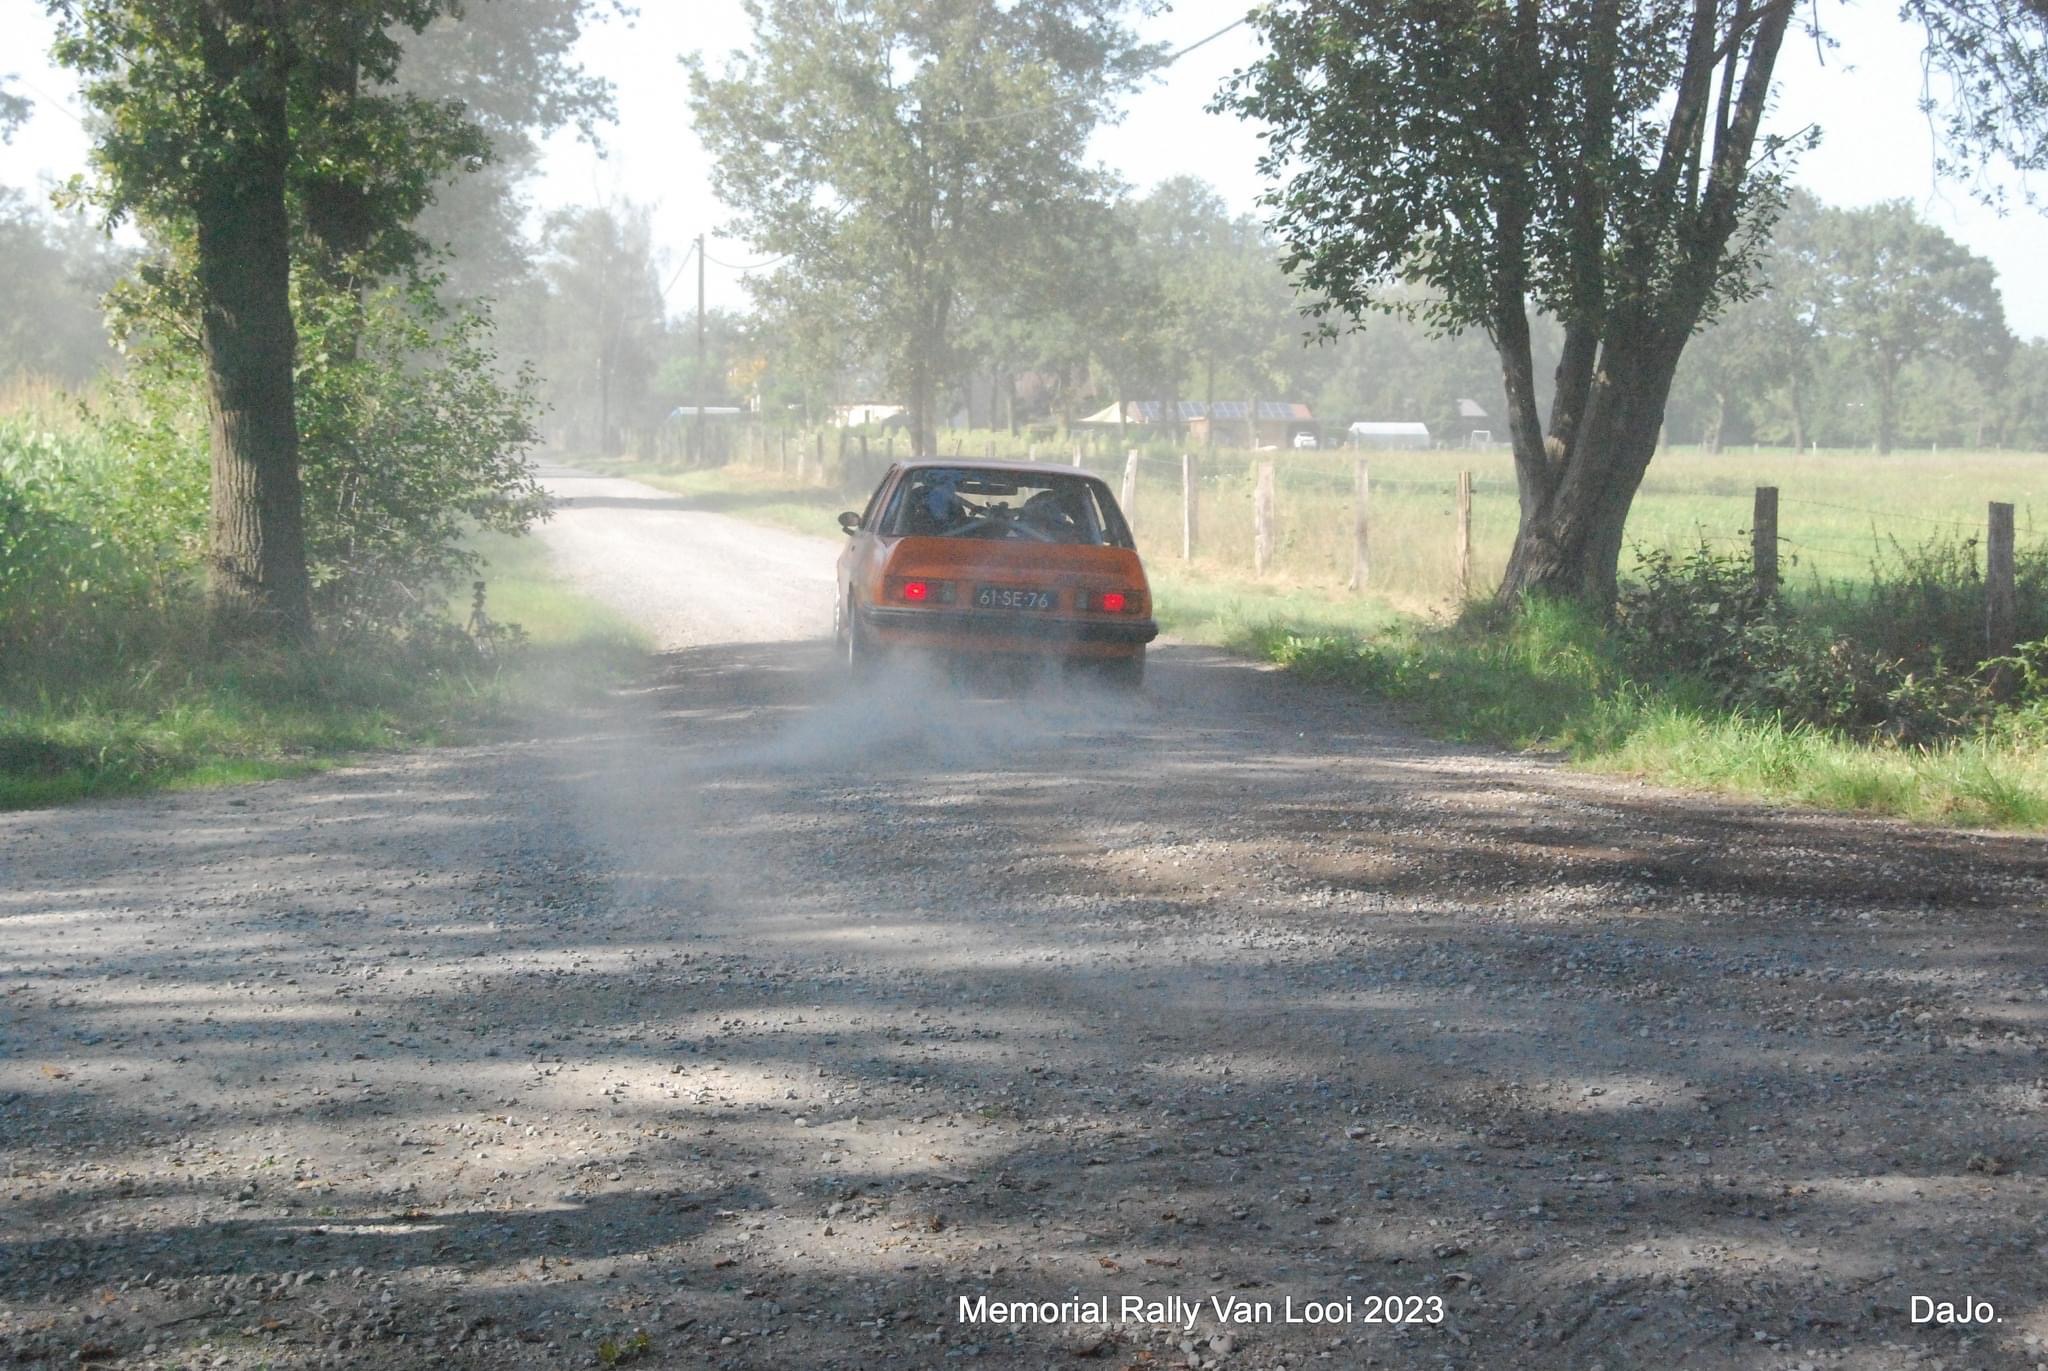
<point>1053,512</point>
<point>939,508</point>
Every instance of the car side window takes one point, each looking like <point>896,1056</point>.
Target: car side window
<point>892,511</point>
<point>867,518</point>
<point>1115,531</point>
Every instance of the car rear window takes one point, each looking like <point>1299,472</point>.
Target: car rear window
<point>970,502</point>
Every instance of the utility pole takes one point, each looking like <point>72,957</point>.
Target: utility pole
<point>701,456</point>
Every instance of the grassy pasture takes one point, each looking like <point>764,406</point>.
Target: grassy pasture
<point>1838,511</point>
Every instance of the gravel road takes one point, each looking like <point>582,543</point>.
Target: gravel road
<point>748,1021</point>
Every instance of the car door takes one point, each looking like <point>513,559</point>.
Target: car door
<point>859,553</point>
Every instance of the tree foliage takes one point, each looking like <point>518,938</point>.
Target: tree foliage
<point>513,69</point>
<point>1898,290</point>
<point>1870,326</point>
<point>14,111</point>
<point>894,152</point>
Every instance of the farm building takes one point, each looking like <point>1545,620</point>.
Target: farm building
<point>867,412</point>
<point>1387,434</point>
<point>1473,427</point>
<point>1277,422</point>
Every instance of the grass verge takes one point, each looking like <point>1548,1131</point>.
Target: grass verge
<point>1549,679</point>
<point>140,708</point>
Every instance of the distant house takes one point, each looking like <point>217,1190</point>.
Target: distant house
<point>1377,434</point>
<point>1277,422</point>
<point>867,412</point>
<point>1472,427</point>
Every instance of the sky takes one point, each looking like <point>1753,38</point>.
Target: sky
<point>1863,95</point>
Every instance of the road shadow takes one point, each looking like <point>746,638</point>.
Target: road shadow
<point>779,1014</point>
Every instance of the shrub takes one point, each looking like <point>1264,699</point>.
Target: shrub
<point>69,576</point>
<point>1702,616</point>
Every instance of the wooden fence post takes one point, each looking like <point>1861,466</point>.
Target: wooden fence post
<point>1763,540</point>
<point>1130,494</point>
<point>1262,519</point>
<point>2001,594</point>
<point>1464,546</point>
<point>1361,566</point>
<point>1190,506</point>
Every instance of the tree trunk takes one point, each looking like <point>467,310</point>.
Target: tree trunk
<point>1717,423</point>
<point>256,558</point>
<point>924,438</point>
<point>1798,415</point>
<point>1569,544</point>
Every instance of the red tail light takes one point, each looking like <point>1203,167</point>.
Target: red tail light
<point>1112,601</point>
<point>918,590</point>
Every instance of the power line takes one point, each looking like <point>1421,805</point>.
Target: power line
<point>681,267</point>
<point>61,106</point>
<point>750,266</point>
<point>1005,117</point>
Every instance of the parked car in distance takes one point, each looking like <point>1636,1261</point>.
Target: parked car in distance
<point>1305,441</point>
<point>986,561</point>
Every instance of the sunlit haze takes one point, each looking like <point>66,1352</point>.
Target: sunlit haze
<point>1863,95</point>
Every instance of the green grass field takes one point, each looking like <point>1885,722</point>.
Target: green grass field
<point>1838,511</point>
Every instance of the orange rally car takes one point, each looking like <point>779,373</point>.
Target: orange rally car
<point>975,559</point>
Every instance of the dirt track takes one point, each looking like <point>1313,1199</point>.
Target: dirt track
<point>772,1021</point>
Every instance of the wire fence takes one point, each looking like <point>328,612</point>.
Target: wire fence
<point>1423,527</point>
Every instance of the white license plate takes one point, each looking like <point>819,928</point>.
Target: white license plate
<point>1012,597</point>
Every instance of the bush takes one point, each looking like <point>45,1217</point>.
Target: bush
<point>1701,616</point>
<point>70,577</point>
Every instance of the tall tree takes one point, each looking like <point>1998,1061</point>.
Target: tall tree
<point>1593,159</point>
<point>196,102</point>
<point>907,145</point>
<point>1899,291</point>
<point>604,318</point>
<point>513,68</point>
<point>1231,312</point>
<point>1763,350</point>
<point>1602,161</point>
<point>251,136</point>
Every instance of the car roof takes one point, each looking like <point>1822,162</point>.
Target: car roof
<point>1007,468</point>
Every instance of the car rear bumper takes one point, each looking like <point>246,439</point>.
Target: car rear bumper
<point>931,626</point>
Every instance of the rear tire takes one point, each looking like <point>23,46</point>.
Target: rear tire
<point>861,656</point>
